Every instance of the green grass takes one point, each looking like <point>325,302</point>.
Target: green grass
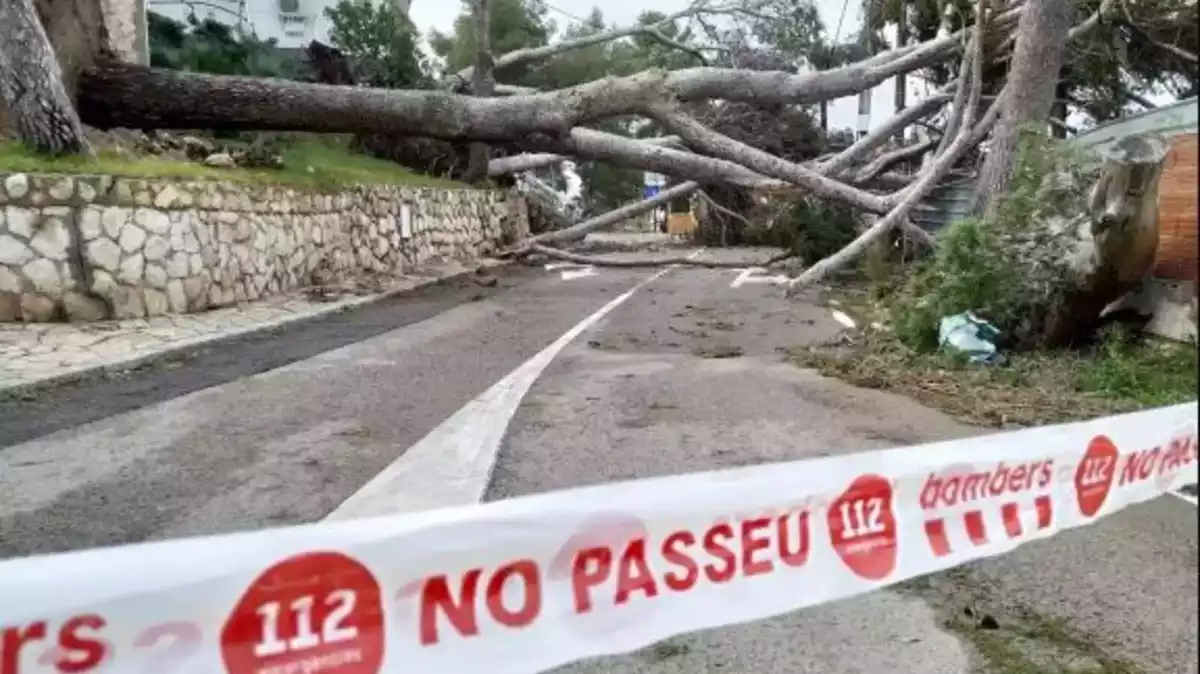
<point>306,164</point>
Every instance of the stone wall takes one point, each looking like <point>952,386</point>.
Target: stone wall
<point>97,247</point>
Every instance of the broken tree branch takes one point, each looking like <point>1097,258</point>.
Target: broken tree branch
<point>528,162</point>
<point>631,153</point>
<point>940,167</point>
<point>599,222</point>
<point>863,146</point>
<point>702,138</point>
<point>886,161</point>
<point>653,31</point>
<point>651,262</point>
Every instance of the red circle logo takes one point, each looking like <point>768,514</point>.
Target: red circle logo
<point>862,527</point>
<point>1094,475</point>
<point>315,613</point>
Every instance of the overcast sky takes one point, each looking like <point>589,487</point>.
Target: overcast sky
<point>440,15</point>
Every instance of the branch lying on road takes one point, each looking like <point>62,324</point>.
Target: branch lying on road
<point>650,262</point>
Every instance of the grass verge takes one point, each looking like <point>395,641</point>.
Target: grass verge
<point>307,164</point>
<point>1119,374</point>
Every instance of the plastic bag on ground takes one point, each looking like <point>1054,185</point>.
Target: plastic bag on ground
<point>968,334</point>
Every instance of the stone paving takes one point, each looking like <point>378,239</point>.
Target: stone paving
<point>39,353</point>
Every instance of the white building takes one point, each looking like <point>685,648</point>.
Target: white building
<point>292,23</point>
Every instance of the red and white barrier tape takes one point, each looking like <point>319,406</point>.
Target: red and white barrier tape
<point>521,586</point>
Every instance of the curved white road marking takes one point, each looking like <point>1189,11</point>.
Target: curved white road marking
<point>1185,497</point>
<point>452,465</point>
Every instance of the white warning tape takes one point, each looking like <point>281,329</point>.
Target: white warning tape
<point>521,586</point>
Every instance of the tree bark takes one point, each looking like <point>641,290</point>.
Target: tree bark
<point>31,85</point>
<point>482,83</point>
<point>1042,35</point>
<point>121,95</point>
<point>900,96</point>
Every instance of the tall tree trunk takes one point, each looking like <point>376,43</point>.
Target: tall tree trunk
<point>483,83</point>
<point>901,93</point>
<point>1033,80</point>
<point>31,84</point>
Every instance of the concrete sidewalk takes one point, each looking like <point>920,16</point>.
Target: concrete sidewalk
<point>34,355</point>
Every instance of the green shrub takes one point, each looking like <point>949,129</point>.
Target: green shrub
<point>1011,269</point>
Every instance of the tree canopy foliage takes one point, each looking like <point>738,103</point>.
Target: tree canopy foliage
<point>210,46</point>
<point>379,43</point>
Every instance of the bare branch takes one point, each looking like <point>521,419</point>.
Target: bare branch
<point>905,118</point>
<point>653,31</point>
<point>528,162</point>
<point>521,163</point>
<point>712,203</point>
<point>890,159</point>
<point>1170,48</point>
<point>941,166</point>
<point>599,222</point>
<point>1092,21</point>
<point>710,142</point>
<point>632,153</point>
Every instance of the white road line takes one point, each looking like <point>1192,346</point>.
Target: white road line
<point>744,276</point>
<point>750,276</point>
<point>1190,499</point>
<point>452,465</point>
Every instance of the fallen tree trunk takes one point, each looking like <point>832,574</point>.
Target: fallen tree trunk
<point>121,95</point>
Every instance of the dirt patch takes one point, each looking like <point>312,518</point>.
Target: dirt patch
<point>1028,389</point>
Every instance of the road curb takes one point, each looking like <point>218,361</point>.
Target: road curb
<point>113,368</point>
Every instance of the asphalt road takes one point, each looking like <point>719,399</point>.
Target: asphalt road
<point>684,375</point>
